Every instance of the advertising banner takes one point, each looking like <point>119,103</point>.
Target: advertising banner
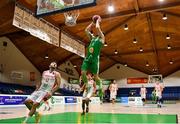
<point>123,100</point>
<point>55,100</point>
<point>95,100</point>
<point>70,99</point>
<point>12,100</point>
<point>137,80</point>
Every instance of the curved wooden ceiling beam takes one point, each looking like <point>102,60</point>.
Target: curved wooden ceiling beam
<point>153,40</point>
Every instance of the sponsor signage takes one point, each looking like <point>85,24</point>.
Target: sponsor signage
<point>123,99</point>
<point>70,100</point>
<point>72,45</point>
<point>36,27</point>
<point>12,100</point>
<point>137,80</point>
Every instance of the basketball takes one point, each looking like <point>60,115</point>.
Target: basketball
<point>95,18</point>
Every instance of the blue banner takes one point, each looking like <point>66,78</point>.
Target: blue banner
<point>12,100</point>
<point>122,99</point>
<point>70,100</point>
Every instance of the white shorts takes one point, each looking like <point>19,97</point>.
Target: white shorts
<point>158,94</point>
<point>113,95</point>
<point>143,96</point>
<point>37,96</point>
<point>88,94</point>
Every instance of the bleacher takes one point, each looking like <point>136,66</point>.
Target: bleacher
<point>7,88</point>
<point>67,92</point>
<point>169,93</point>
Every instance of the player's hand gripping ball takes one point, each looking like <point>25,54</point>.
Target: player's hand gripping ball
<point>95,18</point>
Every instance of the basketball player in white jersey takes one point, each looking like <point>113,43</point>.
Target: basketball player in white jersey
<point>143,92</point>
<point>113,91</point>
<point>159,90</point>
<point>89,89</point>
<point>49,84</point>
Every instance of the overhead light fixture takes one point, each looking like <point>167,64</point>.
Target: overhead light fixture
<point>74,66</point>
<point>46,56</point>
<point>164,17</point>
<point>115,52</point>
<point>125,64</point>
<point>135,40</point>
<point>161,0</point>
<point>168,47</point>
<point>147,64</point>
<point>168,37</point>
<point>111,8</point>
<point>105,44</point>
<point>141,49</point>
<point>126,27</point>
<point>171,62</point>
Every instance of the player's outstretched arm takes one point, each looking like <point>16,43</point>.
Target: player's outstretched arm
<point>88,30</point>
<point>57,83</point>
<point>99,31</point>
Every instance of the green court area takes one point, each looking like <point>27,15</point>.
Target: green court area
<point>73,117</point>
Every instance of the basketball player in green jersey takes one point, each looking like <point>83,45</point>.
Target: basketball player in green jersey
<point>91,61</point>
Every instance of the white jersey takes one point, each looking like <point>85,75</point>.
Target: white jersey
<point>113,91</point>
<point>88,92</point>
<point>158,89</point>
<point>48,81</point>
<point>143,92</point>
<point>113,88</point>
<point>90,84</point>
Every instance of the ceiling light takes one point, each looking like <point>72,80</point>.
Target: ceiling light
<point>161,0</point>
<point>164,17</point>
<point>168,37</point>
<point>134,40</point>
<point>74,66</point>
<point>171,62</point>
<point>105,44</point>
<point>46,56</point>
<point>168,47</point>
<point>147,64</point>
<point>115,52</point>
<point>141,49</point>
<point>126,27</point>
<point>110,8</point>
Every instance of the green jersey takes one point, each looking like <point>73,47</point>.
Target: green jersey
<point>94,49</point>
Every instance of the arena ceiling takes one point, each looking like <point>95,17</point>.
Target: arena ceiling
<point>158,55</point>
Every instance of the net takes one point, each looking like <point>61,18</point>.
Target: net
<point>71,17</point>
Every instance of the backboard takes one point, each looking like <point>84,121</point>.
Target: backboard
<point>49,7</point>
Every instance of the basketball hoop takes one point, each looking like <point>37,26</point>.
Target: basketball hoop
<point>71,17</point>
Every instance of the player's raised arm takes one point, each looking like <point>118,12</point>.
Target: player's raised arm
<point>88,30</point>
<point>99,31</point>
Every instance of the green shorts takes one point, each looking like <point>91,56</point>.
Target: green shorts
<point>92,66</point>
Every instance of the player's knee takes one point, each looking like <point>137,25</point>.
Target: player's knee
<point>27,101</point>
<point>36,104</point>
